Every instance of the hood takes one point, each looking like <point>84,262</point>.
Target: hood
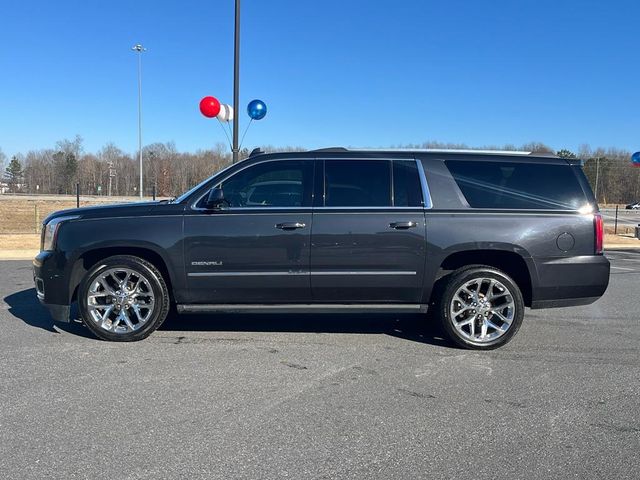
<point>106,211</point>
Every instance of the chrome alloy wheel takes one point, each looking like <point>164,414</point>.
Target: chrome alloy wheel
<point>120,300</point>
<point>482,310</point>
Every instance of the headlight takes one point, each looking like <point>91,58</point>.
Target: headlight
<point>50,232</point>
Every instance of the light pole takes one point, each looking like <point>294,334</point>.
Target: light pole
<point>139,49</point>
<point>236,83</point>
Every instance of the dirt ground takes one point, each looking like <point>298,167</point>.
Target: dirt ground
<point>24,214</point>
<point>20,241</point>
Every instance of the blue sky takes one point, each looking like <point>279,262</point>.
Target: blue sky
<point>347,72</point>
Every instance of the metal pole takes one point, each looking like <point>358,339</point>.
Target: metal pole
<point>139,49</point>
<point>140,116</point>
<point>77,195</point>
<point>236,83</point>
<point>615,228</point>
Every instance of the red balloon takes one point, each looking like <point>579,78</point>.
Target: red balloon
<point>210,107</point>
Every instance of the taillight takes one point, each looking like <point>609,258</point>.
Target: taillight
<point>599,230</point>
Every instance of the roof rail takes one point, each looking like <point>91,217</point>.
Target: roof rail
<point>545,154</point>
<point>471,150</point>
<point>331,149</point>
<point>438,150</point>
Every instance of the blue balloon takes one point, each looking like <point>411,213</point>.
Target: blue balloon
<point>635,159</point>
<point>257,109</point>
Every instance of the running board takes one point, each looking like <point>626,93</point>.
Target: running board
<point>303,308</point>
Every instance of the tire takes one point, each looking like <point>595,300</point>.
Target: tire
<point>481,308</point>
<point>123,299</point>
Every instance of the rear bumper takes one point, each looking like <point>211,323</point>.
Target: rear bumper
<point>569,281</point>
<point>50,286</point>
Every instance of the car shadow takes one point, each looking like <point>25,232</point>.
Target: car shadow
<point>414,327</point>
<point>25,306</point>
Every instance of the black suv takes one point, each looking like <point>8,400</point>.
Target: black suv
<point>477,235</point>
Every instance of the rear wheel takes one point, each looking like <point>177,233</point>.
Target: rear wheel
<point>481,308</point>
<point>123,298</point>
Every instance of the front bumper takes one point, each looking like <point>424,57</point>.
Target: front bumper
<point>50,286</point>
<point>569,281</point>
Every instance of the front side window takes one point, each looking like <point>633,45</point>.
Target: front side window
<point>357,183</point>
<point>282,183</point>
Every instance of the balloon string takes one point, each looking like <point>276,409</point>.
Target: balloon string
<point>245,132</point>
<point>229,128</point>
<point>225,133</point>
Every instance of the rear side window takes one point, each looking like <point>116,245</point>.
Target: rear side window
<point>357,183</point>
<point>512,185</point>
<point>406,184</point>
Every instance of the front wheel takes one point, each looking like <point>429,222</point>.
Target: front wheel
<point>123,298</point>
<point>481,308</point>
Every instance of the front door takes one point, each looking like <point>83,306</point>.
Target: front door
<point>255,249</point>
<point>368,240</point>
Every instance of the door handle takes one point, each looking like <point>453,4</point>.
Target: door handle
<point>403,225</point>
<point>290,225</point>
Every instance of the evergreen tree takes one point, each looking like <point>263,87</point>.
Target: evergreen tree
<point>13,174</point>
<point>564,153</point>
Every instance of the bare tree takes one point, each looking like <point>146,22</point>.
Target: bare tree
<point>3,159</point>
<point>172,172</point>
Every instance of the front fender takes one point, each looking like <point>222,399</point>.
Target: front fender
<point>83,242</point>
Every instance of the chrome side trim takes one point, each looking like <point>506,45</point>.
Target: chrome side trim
<point>245,274</point>
<point>481,212</point>
<point>285,210</point>
<point>371,272</point>
<point>423,181</point>
<point>373,209</point>
<point>426,194</point>
<point>302,308</point>
<point>298,272</point>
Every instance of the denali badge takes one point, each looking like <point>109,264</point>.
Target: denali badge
<point>206,264</point>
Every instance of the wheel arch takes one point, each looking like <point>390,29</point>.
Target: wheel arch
<point>510,262</point>
<point>86,260</point>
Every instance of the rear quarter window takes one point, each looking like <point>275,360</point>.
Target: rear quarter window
<point>515,185</point>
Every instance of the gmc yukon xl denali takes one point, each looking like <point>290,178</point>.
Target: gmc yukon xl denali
<point>476,235</point>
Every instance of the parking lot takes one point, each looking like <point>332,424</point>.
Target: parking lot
<point>626,218</point>
<point>323,396</point>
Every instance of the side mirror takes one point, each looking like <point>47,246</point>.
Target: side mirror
<point>215,199</point>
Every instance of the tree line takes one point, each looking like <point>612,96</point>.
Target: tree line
<point>112,171</point>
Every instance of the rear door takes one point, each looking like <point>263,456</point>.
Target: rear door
<point>255,250</point>
<point>368,238</point>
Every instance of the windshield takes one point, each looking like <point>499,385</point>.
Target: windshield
<point>202,183</point>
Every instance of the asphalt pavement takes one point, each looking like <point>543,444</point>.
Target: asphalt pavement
<point>323,396</point>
